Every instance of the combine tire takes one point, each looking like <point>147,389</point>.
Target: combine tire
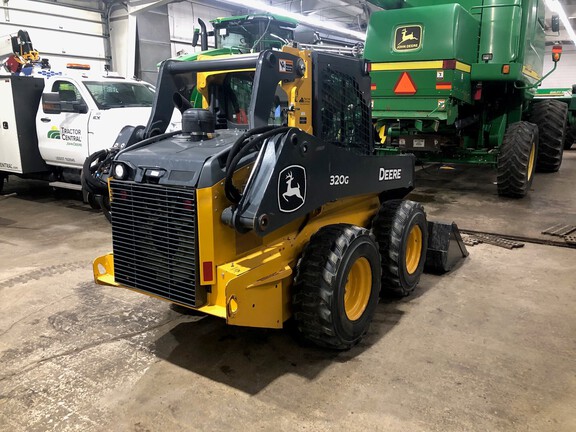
<point>517,159</point>
<point>401,230</point>
<point>570,138</point>
<point>550,116</point>
<point>336,286</point>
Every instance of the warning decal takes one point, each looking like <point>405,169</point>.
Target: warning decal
<point>286,66</point>
<point>405,85</point>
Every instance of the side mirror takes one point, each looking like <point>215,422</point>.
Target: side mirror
<point>80,107</point>
<point>195,37</point>
<point>555,23</point>
<point>51,103</point>
<point>556,52</point>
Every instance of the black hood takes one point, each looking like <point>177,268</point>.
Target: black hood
<point>179,161</point>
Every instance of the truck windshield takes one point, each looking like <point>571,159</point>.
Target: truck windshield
<point>254,35</point>
<point>112,94</point>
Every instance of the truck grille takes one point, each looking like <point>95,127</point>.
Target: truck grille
<point>154,240</point>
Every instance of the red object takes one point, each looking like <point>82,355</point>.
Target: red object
<point>556,52</point>
<point>188,205</point>
<point>478,93</point>
<point>444,86</point>
<point>241,117</point>
<point>13,65</point>
<point>208,271</point>
<point>449,64</point>
<point>405,85</point>
<point>372,87</point>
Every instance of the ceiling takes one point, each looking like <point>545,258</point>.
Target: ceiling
<point>352,15</point>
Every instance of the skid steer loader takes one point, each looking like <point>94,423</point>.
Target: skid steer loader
<point>285,214</point>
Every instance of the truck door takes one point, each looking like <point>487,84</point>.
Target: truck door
<point>63,137</point>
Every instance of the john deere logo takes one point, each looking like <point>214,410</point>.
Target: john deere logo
<point>54,133</point>
<point>291,188</point>
<point>408,38</point>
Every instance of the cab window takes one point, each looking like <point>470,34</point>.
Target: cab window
<point>120,94</point>
<point>67,91</point>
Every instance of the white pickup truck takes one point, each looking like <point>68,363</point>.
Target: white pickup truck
<point>50,122</point>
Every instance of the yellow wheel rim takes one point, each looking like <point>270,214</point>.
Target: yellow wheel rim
<point>531,160</point>
<point>413,249</point>
<point>357,289</point>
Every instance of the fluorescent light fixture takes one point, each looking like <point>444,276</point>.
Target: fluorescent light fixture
<point>555,6</point>
<point>308,20</point>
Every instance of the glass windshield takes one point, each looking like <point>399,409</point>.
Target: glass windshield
<point>229,99</point>
<point>255,35</point>
<point>120,94</point>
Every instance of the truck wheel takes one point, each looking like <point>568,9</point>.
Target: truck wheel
<point>336,286</point>
<point>517,159</point>
<point>401,230</point>
<point>550,116</point>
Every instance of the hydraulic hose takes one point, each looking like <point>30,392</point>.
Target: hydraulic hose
<point>240,149</point>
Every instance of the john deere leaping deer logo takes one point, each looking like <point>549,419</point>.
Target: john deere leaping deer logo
<point>408,38</point>
<point>291,188</point>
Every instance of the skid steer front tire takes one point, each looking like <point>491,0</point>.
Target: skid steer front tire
<point>550,116</point>
<point>336,286</point>
<point>401,231</point>
<point>517,159</point>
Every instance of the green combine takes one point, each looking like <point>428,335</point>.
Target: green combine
<point>455,82</point>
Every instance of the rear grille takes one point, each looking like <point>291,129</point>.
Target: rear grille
<point>154,240</point>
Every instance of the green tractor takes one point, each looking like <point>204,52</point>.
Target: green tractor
<point>243,34</point>
<point>455,82</point>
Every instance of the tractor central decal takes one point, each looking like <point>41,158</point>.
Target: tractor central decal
<point>408,38</point>
<point>54,133</point>
<point>73,137</point>
<point>291,188</point>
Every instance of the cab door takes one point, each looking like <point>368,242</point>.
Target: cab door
<point>63,133</point>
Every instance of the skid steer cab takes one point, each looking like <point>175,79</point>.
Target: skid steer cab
<point>282,212</point>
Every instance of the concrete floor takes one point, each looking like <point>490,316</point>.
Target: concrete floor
<point>488,347</point>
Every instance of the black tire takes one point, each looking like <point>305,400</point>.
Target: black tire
<point>517,159</point>
<point>104,202</point>
<point>550,116</point>
<point>337,258</point>
<point>570,138</point>
<point>93,201</point>
<point>401,231</point>
<point>3,178</point>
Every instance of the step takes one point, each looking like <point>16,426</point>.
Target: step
<point>64,185</point>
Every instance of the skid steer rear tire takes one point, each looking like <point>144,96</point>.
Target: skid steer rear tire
<point>550,116</point>
<point>336,287</point>
<point>401,231</point>
<point>517,159</point>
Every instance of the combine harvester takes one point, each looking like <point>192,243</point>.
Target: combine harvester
<point>455,82</point>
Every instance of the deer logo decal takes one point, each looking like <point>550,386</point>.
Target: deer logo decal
<point>291,188</point>
<point>408,38</point>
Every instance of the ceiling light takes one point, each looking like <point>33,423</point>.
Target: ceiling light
<point>303,19</point>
